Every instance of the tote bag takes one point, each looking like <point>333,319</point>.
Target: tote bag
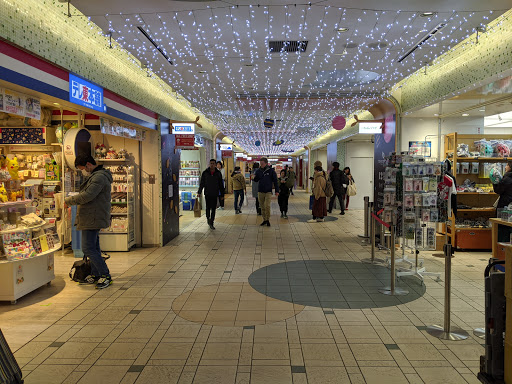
<point>351,189</point>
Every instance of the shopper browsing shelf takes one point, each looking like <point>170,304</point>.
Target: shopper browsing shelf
<point>222,171</point>
<point>212,183</point>
<point>255,188</point>
<point>319,185</point>
<point>285,185</point>
<point>94,206</point>
<point>239,189</point>
<point>266,176</point>
<point>504,187</point>
<point>339,181</point>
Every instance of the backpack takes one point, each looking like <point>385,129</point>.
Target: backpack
<point>328,190</point>
<point>10,371</point>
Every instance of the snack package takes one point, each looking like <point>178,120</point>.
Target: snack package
<point>409,185</point>
<point>418,201</point>
<point>474,168</point>
<point>409,200</point>
<point>434,215</point>
<point>425,214</point>
<point>430,169</point>
<point>418,185</point>
<point>464,168</point>
<point>425,184</point>
<point>432,184</point>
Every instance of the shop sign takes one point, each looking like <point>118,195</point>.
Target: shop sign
<point>226,154</point>
<point>420,148</point>
<point>199,141</point>
<point>370,128</point>
<point>19,104</point>
<point>183,129</point>
<point>114,128</point>
<point>86,94</point>
<point>184,141</point>
<point>226,147</point>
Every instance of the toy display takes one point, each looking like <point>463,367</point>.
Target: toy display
<point>495,175</point>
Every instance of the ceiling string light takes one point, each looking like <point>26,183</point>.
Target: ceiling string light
<point>223,67</point>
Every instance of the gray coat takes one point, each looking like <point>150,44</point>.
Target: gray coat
<point>255,187</point>
<point>93,201</point>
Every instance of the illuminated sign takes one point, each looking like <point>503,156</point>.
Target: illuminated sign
<point>226,147</point>
<point>183,128</point>
<point>86,94</point>
<point>370,128</point>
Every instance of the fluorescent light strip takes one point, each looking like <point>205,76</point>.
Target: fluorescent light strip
<point>155,44</point>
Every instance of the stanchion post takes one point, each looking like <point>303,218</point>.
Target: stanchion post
<point>372,259</point>
<point>445,332</point>
<point>393,290</point>
<point>366,219</point>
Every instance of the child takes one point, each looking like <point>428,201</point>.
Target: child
<point>284,194</point>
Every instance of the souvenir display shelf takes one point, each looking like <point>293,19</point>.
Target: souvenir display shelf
<point>21,274</point>
<point>120,236</point>
<point>189,178</point>
<point>475,197</point>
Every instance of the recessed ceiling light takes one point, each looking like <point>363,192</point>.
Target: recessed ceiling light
<point>427,14</point>
<point>436,114</point>
<point>465,114</point>
<point>248,65</point>
<point>202,71</point>
<point>481,110</point>
<point>343,29</point>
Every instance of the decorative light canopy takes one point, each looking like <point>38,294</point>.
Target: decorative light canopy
<point>221,62</point>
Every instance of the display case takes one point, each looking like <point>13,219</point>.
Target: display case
<point>189,179</point>
<point>27,247</point>
<point>471,163</point>
<point>120,236</point>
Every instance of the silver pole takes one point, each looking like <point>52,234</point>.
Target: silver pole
<point>445,332</point>
<point>393,290</point>
<point>366,218</point>
<point>372,259</point>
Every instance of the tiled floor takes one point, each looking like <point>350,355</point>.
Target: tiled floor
<point>291,304</point>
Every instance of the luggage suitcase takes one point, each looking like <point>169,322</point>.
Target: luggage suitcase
<point>10,372</point>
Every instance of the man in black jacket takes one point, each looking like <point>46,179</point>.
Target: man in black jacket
<point>211,182</point>
<point>266,177</point>
<point>339,182</point>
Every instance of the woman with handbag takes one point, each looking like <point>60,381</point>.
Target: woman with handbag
<point>319,210</point>
<point>350,181</point>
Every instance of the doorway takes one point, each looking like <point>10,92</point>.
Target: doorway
<point>362,171</point>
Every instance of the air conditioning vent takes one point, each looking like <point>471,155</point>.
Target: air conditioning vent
<point>278,46</point>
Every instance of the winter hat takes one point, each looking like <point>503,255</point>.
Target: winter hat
<point>318,164</point>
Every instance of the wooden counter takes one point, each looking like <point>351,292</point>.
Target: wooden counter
<point>497,251</point>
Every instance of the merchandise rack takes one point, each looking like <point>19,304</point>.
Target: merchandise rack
<point>481,203</point>
<point>123,207</point>
<point>183,178</point>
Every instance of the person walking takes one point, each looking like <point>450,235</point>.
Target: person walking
<point>284,193</point>
<point>320,202</point>
<point>239,189</point>
<point>339,182</point>
<point>212,183</point>
<point>266,177</point>
<point>291,178</point>
<point>94,213</point>
<point>222,171</point>
<point>346,170</point>
<point>255,188</point>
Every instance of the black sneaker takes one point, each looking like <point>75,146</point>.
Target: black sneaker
<point>211,225</point>
<point>104,282</point>
<point>329,211</point>
<point>342,213</point>
<point>264,223</point>
<point>268,223</point>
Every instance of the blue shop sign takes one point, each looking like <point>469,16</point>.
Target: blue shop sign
<point>86,94</point>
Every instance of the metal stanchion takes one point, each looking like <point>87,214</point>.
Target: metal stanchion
<point>367,211</point>
<point>372,259</point>
<point>445,332</point>
<point>393,290</point>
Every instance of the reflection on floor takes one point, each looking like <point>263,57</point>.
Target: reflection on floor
<point>306,311</point>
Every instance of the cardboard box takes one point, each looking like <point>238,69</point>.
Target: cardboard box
<point>440,241</point>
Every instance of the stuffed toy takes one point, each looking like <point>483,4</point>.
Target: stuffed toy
<point>13,167</point>
<point>3,194</point>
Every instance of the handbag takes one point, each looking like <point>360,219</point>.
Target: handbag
<point>80,270</point>
<point>197,207</point>
<point>311,201</point>
<point>351,189</point>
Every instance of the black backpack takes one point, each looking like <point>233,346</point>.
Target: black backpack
<point>10,371</point>
<point>82,268</point>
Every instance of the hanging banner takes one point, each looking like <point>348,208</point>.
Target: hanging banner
<point>114,128</point>
<point>384,146</point>
<point>19,104</point>
<point>32,108</point>
<point>184,141</point>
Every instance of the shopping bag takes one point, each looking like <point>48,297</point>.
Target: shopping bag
<point>311,201</point>
<point>351,189</point>
<point>197,207</point>
<point>246,201</point>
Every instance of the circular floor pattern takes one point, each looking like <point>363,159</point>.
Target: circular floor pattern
<point>305,218</point>
<point>232,304</point>
<point>331,284</point>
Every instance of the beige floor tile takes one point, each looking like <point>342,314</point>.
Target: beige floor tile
<point>45,374</point>
<point>220,375</point>
<point>159,374</point>
<point>421,352</point>
<point>221,351</point>
<point>172,351</point>
<point>121,350</point>
<point>440,375</point>
<point>315,332</point>
<point>104,374</point>
<point>320,352</point>
<point>327,375</point>
<point>266,351</point>
<point>468,351</point>
<point>90,331</point>
<point>383,375</point>
<point>74,350</point>
<point>375,352</point>
<point>271,374</point>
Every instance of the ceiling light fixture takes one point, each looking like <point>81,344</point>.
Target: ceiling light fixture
<point>202,71</point>
<point>428,14</point>
<point>342,29</point>
<point>143,31</point>
<point>465,114</point>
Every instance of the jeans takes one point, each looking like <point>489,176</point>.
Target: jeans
<point>211,207</point>
<point>239,194</point>
<point>91,249</point>
<point>341,199</point>
<point>258,209</point>
<point>283,202</point>
<point>264,199</point>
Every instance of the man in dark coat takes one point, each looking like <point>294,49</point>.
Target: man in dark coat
<point>266,178</point>
<point>211,182</point>
<point>339,182</point>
